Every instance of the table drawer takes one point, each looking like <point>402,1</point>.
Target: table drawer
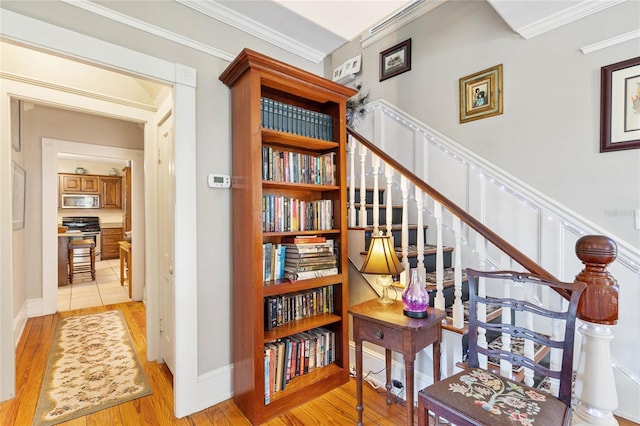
<point>387,337</point>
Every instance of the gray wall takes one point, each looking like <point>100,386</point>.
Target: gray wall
<point>213,150</point>
<point>548,136</point>
<point>48,122</point>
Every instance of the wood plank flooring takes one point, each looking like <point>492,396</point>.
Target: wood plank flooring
<point>334,408</point>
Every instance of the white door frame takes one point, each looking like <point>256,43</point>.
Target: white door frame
<point>48,37</point>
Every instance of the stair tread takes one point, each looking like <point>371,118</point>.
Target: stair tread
<point>412,250</point>
<point>396,227</point>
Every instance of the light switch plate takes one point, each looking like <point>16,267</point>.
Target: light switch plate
<point>215,180</point>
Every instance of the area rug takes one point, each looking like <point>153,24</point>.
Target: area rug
<point>92,365</point>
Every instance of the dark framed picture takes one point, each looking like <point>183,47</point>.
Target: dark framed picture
<point>620,106</point>
<point>481,94</point>
<point>395,60</point>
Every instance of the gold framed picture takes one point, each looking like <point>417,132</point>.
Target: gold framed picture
<point>481,94</point>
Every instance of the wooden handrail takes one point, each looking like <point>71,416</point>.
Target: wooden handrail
<point>465,217</point>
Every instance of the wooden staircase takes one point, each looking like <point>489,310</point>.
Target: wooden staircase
<point>429,260</point>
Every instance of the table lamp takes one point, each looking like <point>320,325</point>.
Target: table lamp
<point>382,261</point>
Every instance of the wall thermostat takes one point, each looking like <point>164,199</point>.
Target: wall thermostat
<point>219,181</point>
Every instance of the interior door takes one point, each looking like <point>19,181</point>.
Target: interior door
<point>166,212</point>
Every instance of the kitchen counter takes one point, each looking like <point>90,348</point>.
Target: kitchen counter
<point>111,225</point>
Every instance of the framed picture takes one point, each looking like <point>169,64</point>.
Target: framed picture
<point>395,60</point>
<point>481,94</point>
<point>15,124</point>
<point>620,106</point>
<point>18,183</point>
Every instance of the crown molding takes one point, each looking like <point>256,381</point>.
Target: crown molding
<point>564,17</point>
<point>610,41</point>
<point>149,28</point>
<point>215,10</point>
<point>76,91</point>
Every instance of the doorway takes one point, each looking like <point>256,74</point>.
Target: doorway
<point>183,79</point>
<point>106,227</point>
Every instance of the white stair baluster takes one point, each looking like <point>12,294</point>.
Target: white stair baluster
<point>388,174</point>
<point>528,344</point>
<point>362,221</point>
<point>481,250</point>
<point>458,308</point>
<point>505,366</point>
<point>404,187</point>
<point>422,271</point>
<point>375,166</point>
<point>351,150</point>
<point>439,301</point>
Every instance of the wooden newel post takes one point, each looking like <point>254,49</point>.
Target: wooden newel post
<point>595,388</point>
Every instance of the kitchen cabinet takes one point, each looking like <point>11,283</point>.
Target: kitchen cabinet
<point>110,239</point>
<point>110,192</point>
<point>79,184</point>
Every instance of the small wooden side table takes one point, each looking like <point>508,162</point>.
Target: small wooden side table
<point>125,256</point>
<point>387,326</point>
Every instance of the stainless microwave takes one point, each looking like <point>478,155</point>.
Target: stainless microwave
<point>80,201</point>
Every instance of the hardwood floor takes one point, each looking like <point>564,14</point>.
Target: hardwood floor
<point>334,408</point>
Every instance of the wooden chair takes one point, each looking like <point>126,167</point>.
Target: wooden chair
<point>481,396</point>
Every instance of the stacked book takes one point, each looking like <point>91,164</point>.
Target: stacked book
<point>292,119</point>
<point>284,308</point>
<point>309,257</point>
<point>288,166</point>
<point>286,214</point>
<point>294,356</point>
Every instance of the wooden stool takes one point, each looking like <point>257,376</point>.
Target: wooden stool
<point>88,265</point>
<point>125,258</point>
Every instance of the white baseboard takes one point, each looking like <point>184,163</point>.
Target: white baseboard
<point>214,387</point>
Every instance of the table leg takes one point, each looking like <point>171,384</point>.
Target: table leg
<point>387,360</point>
<point>436,361</point>
<point>408,372</point>
<point>359,406</point>
<point>122,254</point>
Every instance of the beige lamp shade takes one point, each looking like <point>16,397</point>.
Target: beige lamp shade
<point>381,258</point>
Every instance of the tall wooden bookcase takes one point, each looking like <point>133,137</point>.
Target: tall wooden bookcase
<point>252,77</point>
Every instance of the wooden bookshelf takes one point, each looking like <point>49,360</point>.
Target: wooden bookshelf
<point>252,77</point>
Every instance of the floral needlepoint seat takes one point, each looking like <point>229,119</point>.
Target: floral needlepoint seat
<point>480,395</point>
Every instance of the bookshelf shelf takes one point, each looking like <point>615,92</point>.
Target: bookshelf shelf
<point>267,211</point>
<point>299,186</point>
<point>290,140</point>
<point>300,325</point>
<point>284,286</point>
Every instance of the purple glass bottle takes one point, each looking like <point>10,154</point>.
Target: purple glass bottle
<point>415,297</point>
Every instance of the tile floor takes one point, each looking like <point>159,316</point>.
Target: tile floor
<point>85,293</point>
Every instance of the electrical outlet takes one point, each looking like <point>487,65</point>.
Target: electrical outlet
<point>397,384</point>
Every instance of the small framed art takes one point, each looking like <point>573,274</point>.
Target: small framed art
<point>395,60</point>
<point>481,94</point>
<point>620,106</point>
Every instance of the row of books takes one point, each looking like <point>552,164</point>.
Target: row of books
<point>284,308</point>
<point>286,214</point>
<point>299,258</point>
<point>292,119</point>
<point>294,356</point>
<point>295,167</point>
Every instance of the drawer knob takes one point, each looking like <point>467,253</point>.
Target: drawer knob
<point>379,334</point>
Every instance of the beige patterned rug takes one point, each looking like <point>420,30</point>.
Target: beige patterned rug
<point>92,366</point>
